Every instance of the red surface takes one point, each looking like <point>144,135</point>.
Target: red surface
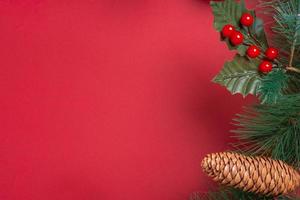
<point>110,100</point>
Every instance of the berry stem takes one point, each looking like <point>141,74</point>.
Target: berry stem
<point>289,67</point>
<point>246,44</point>
<point>253,37</point>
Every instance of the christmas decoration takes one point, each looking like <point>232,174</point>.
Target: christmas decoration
<point>268,132</point>
<point>256,174</point>
<point>265,66</point>
<point>253,51</point>
<point>227,30</point>
<point>271,53</point>
<point>236,38</point>
<point>247,19</point>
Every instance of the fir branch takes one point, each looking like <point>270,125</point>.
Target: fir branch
<point>297,24</point>
<point>293,84</point>
<point>292,55</point>
<point>272,130</point>
<point>272,86</point>
<point>286,15</point>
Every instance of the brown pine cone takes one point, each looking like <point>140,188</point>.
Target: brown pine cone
<point>260,175</point>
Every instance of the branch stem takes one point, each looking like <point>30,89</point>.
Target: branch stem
<point>292,54</point>
<point>254,38</point>
<point>293,69</point>
<point>290,65</point>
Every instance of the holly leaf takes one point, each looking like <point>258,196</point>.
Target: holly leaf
<point>229,12</point>
<point>240,76</point>
<point>241,49</point>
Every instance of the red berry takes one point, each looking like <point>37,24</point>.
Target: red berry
<point>228,30</point>
<point>247,19</point>
<point>253,51</point>
<point>236,38</point>
<point>265,66</point>
<point>272,53</point>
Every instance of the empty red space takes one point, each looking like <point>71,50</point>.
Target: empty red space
<point>109,99</point>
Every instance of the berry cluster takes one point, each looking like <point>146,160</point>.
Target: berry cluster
<point>236,38</point>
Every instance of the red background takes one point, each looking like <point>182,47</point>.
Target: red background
<point>109,99</point>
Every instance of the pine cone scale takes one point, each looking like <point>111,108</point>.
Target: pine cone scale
<point>254,174</point>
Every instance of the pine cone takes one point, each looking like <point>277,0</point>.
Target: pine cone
<point>260,175</point>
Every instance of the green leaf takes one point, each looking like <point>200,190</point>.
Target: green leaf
<point>230,12</point>
<point>241,49</point>
<point>272,86</point>
<point>240,76</point>
<point>227,12</point>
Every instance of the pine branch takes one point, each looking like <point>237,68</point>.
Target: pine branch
<point>272,130</point>
<point>294,42</point>
<point>286,15</point>
<point>272,86</point>
<point>292,54</point>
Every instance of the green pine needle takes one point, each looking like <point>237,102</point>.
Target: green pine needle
<point>286,26</point>
<point>272,130</point>
<point>272,86</point>
<point>293,84</point>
